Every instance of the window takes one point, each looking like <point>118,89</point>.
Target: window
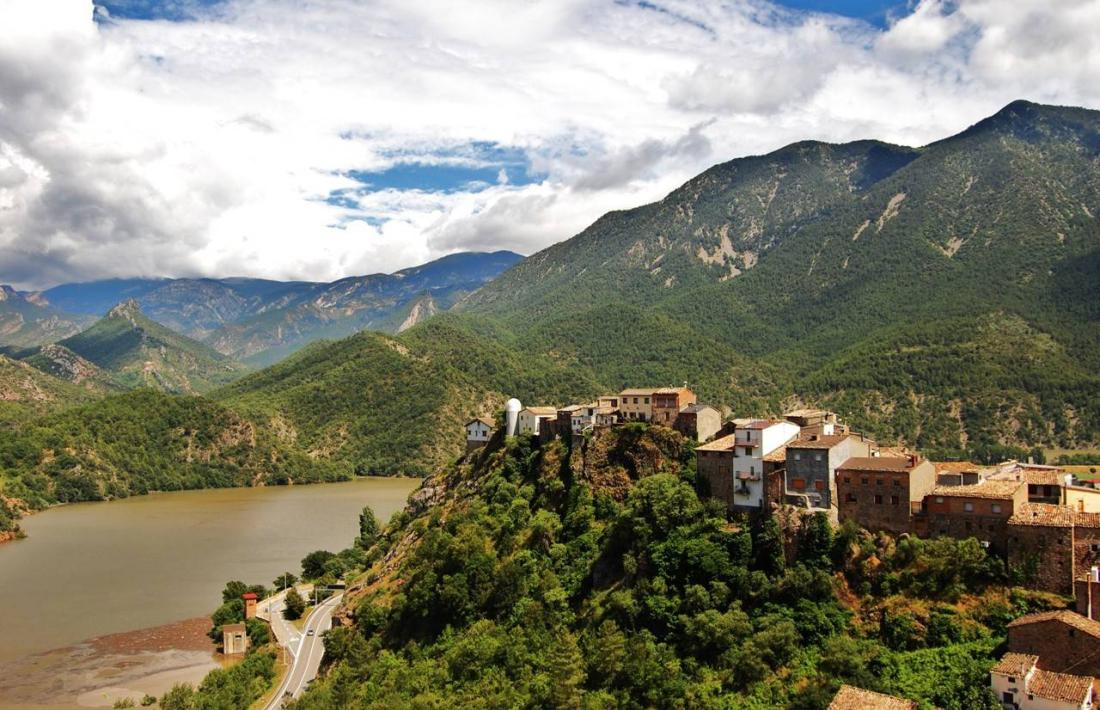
<point>897,483</point>
<point>798,484</point>
<point>996,507</point>
<point>647,400</point>
<point>850,497</point>
<point>817,456</point>
<point>635,400</point>
<point>939,499</point>
<point>878,499</point>
<point>797,456</point>
<point>819,484</point>
<point>865,480</point>
<point>968,507</point>
<point>894,500</point>
<point>879,481</point>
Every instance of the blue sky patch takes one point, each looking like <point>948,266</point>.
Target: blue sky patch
<point>467,168</point>
<point>876,12</point>
<point>173,10</point>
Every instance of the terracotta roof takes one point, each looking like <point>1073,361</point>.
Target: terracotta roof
<point>1086,520</point>
<point>233,627</point>
<point>1014,664</point>
<point>1033,476</point>
<point>541,411</point>
<point>877,463</point>
<point>955,466</point>
<point>248,595</point>
<point>722,443</point>
<point>852,698</point>
<point>570,408</point>
<point>672,390</point>
<point>997,490</point>
<point>1042,514</point>
<point>637,391</point>
<point>778,455</point>
<point>825,441</point>
<point>1059,686</point>
<point>484,420</point>
<point>1069,618</point>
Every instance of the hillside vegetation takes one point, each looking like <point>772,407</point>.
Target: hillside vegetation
<point>139,352</point>
<point>597,576</point>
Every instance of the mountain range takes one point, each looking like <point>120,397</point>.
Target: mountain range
<point>253,320</point>
<point>945,297</point>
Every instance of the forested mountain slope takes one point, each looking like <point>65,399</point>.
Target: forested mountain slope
<point>139,352</point>
<point>812,260</point>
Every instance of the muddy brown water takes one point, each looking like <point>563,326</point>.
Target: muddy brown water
<point>98,568</point>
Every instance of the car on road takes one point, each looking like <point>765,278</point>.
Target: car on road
<point>309,633</point>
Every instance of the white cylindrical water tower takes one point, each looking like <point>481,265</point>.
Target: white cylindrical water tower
<point>511,415</point>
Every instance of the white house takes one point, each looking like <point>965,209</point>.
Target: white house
<point>531,419</point>
<point>1019,684</point>
<point>478,432</point>
<point>753,440</point>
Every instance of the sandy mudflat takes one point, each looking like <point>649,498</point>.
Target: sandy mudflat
<point>100,671</point>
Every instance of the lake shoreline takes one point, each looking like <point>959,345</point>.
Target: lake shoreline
<point>26,511</point>
<point>101,670</point>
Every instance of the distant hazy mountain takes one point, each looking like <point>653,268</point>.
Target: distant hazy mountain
<point>28,319</point>
<point>266,320</point>
<point>139,352</point>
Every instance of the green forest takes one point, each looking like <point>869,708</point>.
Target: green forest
<point>597,575</point>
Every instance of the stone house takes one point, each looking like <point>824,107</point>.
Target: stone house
<point>530,419</point>
<point>249,605</point>
<point>1040,544</point>
<point>636,404</point>
<point>478,433</point>
<point>811,463</point>
<point>1064,641</point>
<point>883,492</point>
<point>1086,593</point>
<point>980,510</point>
<point>1019,683</point>
<point>714,464</point>
<point>698,421</point>
<point>667,403</point>
<point>957,473</point>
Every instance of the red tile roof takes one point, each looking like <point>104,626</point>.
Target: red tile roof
<point>877,463</point>
<point>1069,618</point>
<point>996,490</point>
<point>1059,686</point>
<point>722,443</point>
<point>1014,664</point>
<point>1042,515</point>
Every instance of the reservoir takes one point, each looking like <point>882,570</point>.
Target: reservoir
<point>91,569</point>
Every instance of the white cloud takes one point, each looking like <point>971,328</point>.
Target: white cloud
<point>209,146</point>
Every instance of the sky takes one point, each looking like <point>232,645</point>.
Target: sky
<point>317,139</point>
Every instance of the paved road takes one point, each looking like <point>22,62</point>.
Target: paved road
<point>307,651</point>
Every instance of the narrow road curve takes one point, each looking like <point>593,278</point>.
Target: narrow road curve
<point>307,655</point>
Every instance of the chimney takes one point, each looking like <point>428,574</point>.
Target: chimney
<point>913,459</point>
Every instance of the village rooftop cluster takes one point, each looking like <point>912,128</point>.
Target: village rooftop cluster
<point>1040,519</point>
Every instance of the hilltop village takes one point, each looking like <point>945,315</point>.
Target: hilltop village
<point>1041,520</point>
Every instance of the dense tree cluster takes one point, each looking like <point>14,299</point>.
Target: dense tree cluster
<point>540,587</point>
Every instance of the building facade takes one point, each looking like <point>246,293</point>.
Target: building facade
<point>753,441</point>
<point>234,639</point>
<point>698,421</point>
<point>667,403</point>
<point>714,464</point>
<point>636,404</point>
<point>812,462</point>
<point>478,433</point>
<point>980,511</point>
<point>532,418</point>
<point>883,492</point>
